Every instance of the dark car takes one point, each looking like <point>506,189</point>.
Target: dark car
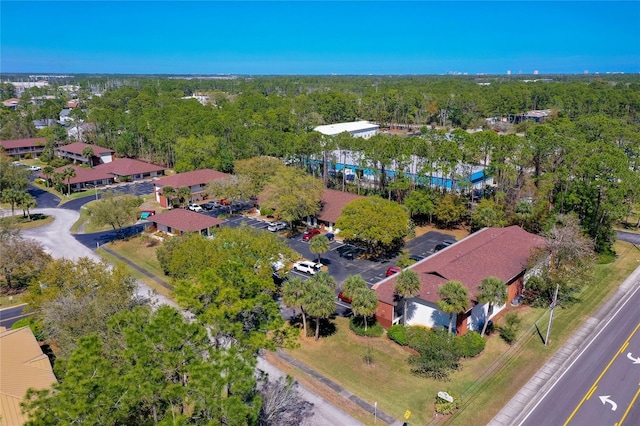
<point>310,234</point>
<point>211,205</point>
<point>443,245</point>
<point>330,236</point>
<point>416,258</point>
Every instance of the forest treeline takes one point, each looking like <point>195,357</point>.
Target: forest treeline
<point>584,159</point>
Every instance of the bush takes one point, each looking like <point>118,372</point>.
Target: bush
<point>398,333</point>
<point>512,324</point>
<point>267,211</point>
<point>417,336</point>
<point>445,407</point>
<point>34,325</point>
<point>508,334</point>
<point>356,324</point>
<point>438,353</point>
<point>470,344</point>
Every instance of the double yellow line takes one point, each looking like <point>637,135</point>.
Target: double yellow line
<point>595,384</point>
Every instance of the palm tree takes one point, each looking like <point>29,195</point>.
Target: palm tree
<point>408,286</point>
<point>169,192</point>
<point>184,195</point>
<point>352,284</point>
<point>454,298</point>
<point>13,197</point>
<point>26,202</point>
<point>492,290</point>
<point>319,244</point>
<point>47,171</point>
<point>294,293</point>
<point>320,304</point>
<point>88,153</point>
<point>323,278</point>
<point>364,303</point>
<point>68,173</point>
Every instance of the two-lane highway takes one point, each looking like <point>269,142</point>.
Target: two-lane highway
<point>601,386</point>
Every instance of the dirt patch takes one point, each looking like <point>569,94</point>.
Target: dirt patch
<point>458,232</point>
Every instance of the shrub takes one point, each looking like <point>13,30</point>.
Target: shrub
<point>438,354</point>
<point>34,325</point>
<point>512,324</point>
<point>368,357</point>
<point>445,407</point>
<point>470,345</point>
<point>508,334</point>
<point>417,336</point>
<point>267,211</point>
<point>356,324</point>
<point>398,333</point>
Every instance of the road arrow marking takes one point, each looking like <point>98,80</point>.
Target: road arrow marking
<point>606,399</point>
<point>635,360</point>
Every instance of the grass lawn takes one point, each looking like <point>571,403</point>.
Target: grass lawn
<point>22,222</point>
<point>17,300</point>
<point>484,383</point>
<point>139,253</point>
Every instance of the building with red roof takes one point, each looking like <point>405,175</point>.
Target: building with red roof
<point>74,152</point>
<point>195,180</point>
<point>19,148</point>
<point>178,221</point>
<point>332,204</point>
<point>127,169</point>
<point>490,252</point>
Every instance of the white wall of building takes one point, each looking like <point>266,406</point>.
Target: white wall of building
<point>427,314</point>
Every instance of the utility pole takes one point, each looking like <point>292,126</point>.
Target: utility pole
<point>552,306</point>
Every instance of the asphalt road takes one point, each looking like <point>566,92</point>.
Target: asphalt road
<point>601,386</point>
<point>10,315</point>
<point>629,237</point>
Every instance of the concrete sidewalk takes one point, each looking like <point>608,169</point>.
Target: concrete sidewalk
<point>515,411</point>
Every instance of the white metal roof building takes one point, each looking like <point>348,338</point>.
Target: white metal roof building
<point>362,129</point>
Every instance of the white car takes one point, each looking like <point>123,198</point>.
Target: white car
<point>307,267</point>
<point>35,168</point>
<point>195,208</point>
<point>276,226</point>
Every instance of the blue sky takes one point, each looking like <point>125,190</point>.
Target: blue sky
<point>313,37</point>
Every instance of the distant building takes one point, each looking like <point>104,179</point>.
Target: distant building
<point>362,129</point>
<point>195,180</point>
<point>75,151</point>
<point>19,148</point>
<point>11,103</point>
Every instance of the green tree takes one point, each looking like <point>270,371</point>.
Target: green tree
<point>26,202</point>
<point>152,367</point>
<point>407,286</point>
<point>115,210</point>
<point>184,195</point>
<point>234,188</point>
<point>319,244</point>
<point>294,194</point>
<point>420,203</point>
<point>454,298</point>
<point>488,213</point>
<point>68,173</point>
<point>21,259</point>
<point>169,192</point>
<point>364,303</point>
<point>492,290</point>
<point>259,170</point>
<point>295,292</point>
<point>320,302</point>
<point>75,299</point>
<point>47,171</point>
<point>449,210</point>
<point>352,284</point>
<point>13,197</point>
<point>88,153</point>
<point>374,222</point>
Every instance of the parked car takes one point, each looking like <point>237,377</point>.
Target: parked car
<point>309,234</point>
<point>210,205</point>
<point>35,168</point>
<point>330,236</point>
<point>307,267</point>
<point>416,258</point>
<point>443,245</point>
<point>224,202</point>
<point>276,226</point>
<point>393,270</point>
<point>344,298</point>
<point>195,208</point>
<point>348,252</point>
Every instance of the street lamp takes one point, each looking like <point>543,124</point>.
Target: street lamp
<point>94,187</point>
